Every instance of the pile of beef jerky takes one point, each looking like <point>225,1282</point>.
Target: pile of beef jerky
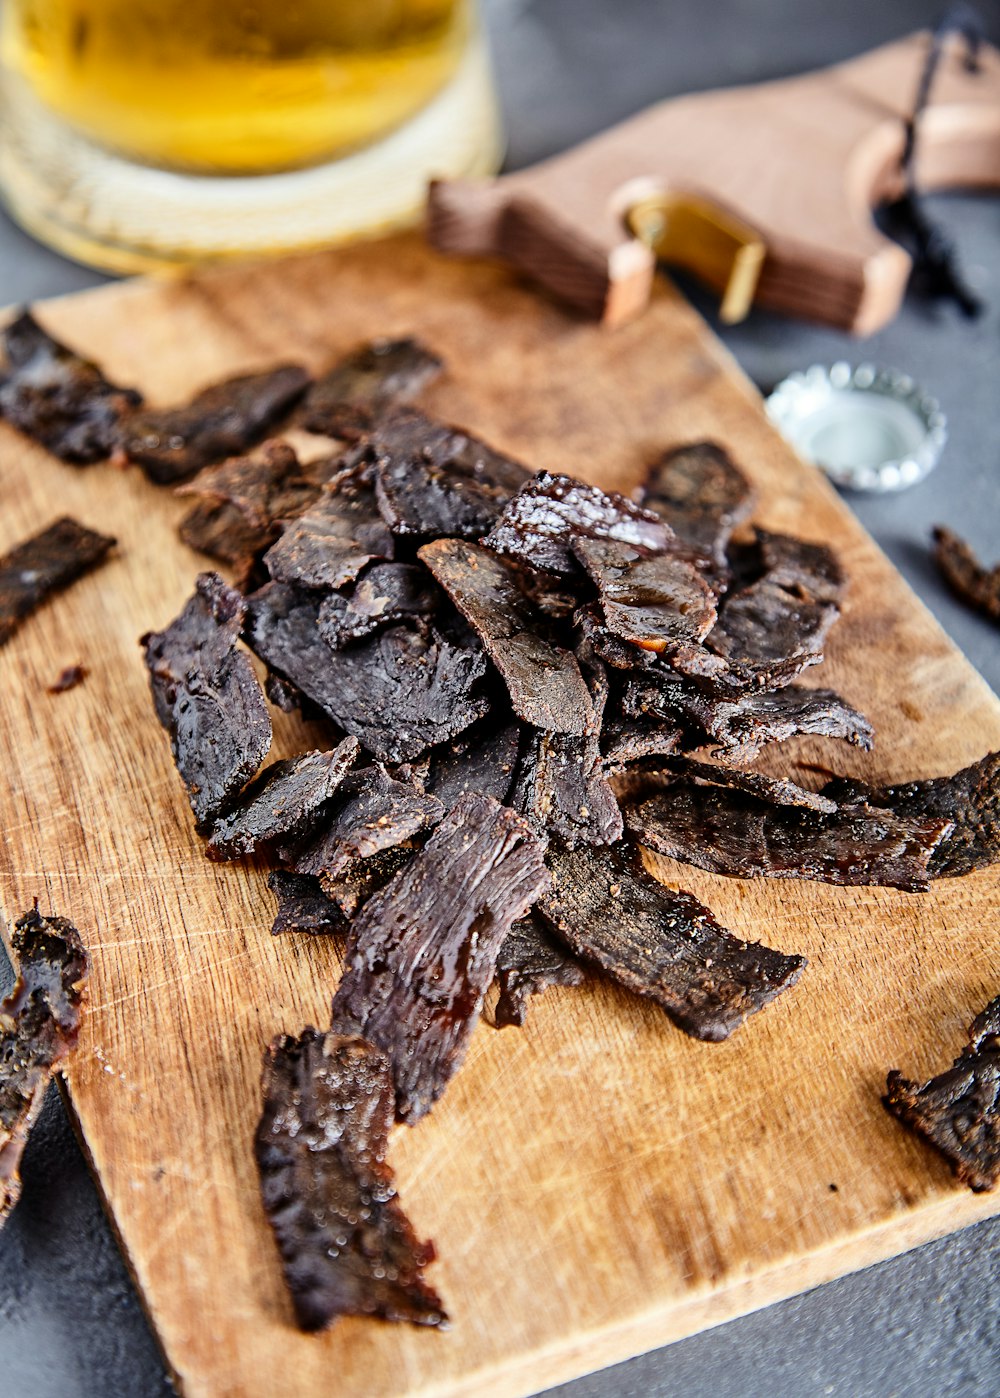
<point>517,669</point>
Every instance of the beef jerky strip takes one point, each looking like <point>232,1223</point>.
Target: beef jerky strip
<point>620,654</point>
<point>302,905</point>
<point>39,1023</point>
<point>562,790</point>
<point>701,495</point>
<point>482,759</point>
<point>958,1112</point>
<point>47,562</point>
<point>345,1243</point>
<point>550,512</point>
<point>544,681</point>
<point>628,740</point>
<point>660,943</point>
<point>435,480</point>
<point>969,800</point>
<point>656,602</point>
<point>807,569</point>
<point>285,802</point>
<point>221,532</point>
<point>208,698</point>
<point>328,545</point>
<point>222,420</point>
<point>530,962</point>
<point>388,593</point>
<point>777,791</point>
<point>973,584</point>
<point>366,876</point>
<point>59,399</point>
<point>399,692</point>
<point>350,398</point>
<point>730,832</point>
<point>422,952</point>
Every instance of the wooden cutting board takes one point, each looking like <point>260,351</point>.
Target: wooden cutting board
<point>597,1183</point>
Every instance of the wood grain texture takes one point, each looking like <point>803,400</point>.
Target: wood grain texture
<point>596,1183</point>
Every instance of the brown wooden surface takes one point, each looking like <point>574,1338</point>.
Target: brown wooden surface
<point>803,161</point>
<point>597,1183</point>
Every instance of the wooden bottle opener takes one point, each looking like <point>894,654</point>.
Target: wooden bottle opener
<point>765,191</point>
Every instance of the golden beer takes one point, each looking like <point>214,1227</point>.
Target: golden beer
<point>233,86</point>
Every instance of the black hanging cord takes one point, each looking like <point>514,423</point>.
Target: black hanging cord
<point>936,272</point>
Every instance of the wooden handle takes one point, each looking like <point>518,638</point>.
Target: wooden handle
<point>803,161</point>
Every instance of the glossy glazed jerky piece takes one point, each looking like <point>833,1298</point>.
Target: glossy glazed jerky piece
<point>59,399</point>
<point>436,480</point>
<point>222,420</point>
<point>550,512</point>
<point>659,943</point>
<point>698,491</point>
<point>47,562</point>
<point>399,692</point>
<point>39,1024</point>
<point>483,759</point>
<point>422,952</point>
<point>285,802</point>
<point>656,602</point>
<point>530,962</point>
<point>303,906</point>
<point>562,789</point>
<point>958,1112</point>
<point>543,679</point>
<point>351,397</point>
<point>345,1243</point>
<point>388,593</point>
<point>208,697</point>
<point>730,832</point>
<point>973,584</point>
<point>328,545</point>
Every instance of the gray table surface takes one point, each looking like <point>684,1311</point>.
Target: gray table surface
<point>929,1322</point>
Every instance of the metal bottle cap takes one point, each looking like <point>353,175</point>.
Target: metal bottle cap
<point>867,428</point>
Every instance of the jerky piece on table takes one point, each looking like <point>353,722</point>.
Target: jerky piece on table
<point>253,493</point>
<point>345,1243</point>
<point>399,692</point>
<point>422,952</point>
<point>810,570</point>
<point>660,943</point>
<point>976,586</point>
<point>970,800</point>
<point>328,545</point>
<point>530,962</point>
<point>701,495</point>
<point>69,677</point>
<point>561,788</point>
<point>388,593</point>
<point>730,832</point>
<point>208,697</point>
<point>222,532</point>
<point>47,562</point>
<point>628,740</point>
<point>59,399</point>
<point>302,905</point>
<point>540,524</point>
<point>350,398</point>
<point>655,602</point>
<point>777,791</point>
<point>958,1112</point>
<point>482,759</point>
<point>432,479</point>
<point>367,876</point>
<point>39,1023</point>
<point>544,681</point>
<point>222,420</point>
<point>285,802</point>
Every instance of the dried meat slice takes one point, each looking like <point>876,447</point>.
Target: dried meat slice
<point>254,494</point>
<point>47,562</point>
<point>436,480</point>
<point>482,759</point>
<point>808,569</point>
<point>59,399</point>
<point>958,1112</point>
<point>698,491</point>
<point>657,602</point>
<point>660,943</point>
<point>330,543</point>
<point>777,791</point>
<point>222,420</point>
<point>303,906</point>
<point>628,740</point>
<point>971,582</point>
<point>422,952</point>
<point>399,692</point>
<point>387,594</point>
<point>356,885</point>
<point>544,681</point>
<point>39,1023</point>
<point>350,398</point>
<point>550,512</point>
<point>528,963</point>
<point>285,802</point>
<point>730,832</point>
<point>208,698</point>
<point>345,1243</point>
<point>562,789</point>
<point>223,533</point>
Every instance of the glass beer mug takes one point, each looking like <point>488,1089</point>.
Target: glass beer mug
<point>135,133</point>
